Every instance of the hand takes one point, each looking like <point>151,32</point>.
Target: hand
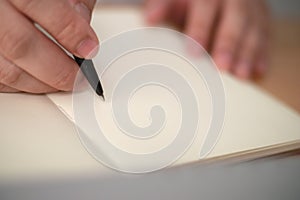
<point>235,32</point>
<point>29,61</point>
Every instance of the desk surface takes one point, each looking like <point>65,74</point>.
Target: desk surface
<point>283,77</point>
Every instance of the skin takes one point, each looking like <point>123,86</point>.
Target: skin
<point>29,61</point>
<point>235,32</point>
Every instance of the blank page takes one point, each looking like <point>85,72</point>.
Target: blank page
<point>254,120</point>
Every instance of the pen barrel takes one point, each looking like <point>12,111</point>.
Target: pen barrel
<point>87,68</point>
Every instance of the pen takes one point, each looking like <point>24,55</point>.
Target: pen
<point>88,69</point>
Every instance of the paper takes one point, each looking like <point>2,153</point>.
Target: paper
<point>253,120</point>
<point>38,141</point>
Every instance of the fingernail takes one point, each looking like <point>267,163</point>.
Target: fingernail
<point>87,49</point>
<point>83,10</point>
<point>223,60</point>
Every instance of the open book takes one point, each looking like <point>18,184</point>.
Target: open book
<point>255,125</point>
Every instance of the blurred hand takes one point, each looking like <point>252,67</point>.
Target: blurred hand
<point>235,32</point>
<point>29,61</point>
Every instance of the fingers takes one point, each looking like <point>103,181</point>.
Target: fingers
<point>241,40</point>
<point>179,13</point>
<point>234,31</point>
<point>252,58</point>
<point>88,3</point>
<point>15,79</point>
<point>6,89</point>
<point>84,8</point>
<point>262,60</point>
<point>246,58</point>
<point>230,32</point>
<point>26,47</point>
<point>157,10</point>
<point>200,20</point>
<point>63,22</point>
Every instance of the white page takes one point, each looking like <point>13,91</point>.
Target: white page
<point>38,142</point>
<point>253,119</point>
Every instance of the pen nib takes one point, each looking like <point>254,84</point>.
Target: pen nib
<point>99,91</point>
<point>103,98</point>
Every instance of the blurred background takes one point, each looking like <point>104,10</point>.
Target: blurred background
<point>285,8</point>
<point>280,8</point>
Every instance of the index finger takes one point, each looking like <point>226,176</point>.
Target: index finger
<point>63,22</point>
<point>22,44</point>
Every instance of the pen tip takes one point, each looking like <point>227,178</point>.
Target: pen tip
<point>99,90</point>
<point>102,97</point>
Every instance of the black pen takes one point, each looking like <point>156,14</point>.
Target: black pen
<point>88,69</point>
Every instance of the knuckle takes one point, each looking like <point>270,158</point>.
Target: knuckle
<point>10,76</point>
<point>25,5</point>
<point>64,80</point>
<point>70,32</point>
<point>15,44</point>
<point>90,3</point>
<point>2,87</point>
